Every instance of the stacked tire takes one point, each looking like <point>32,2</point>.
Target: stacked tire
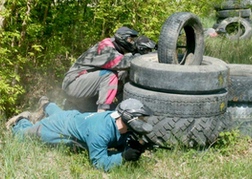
<point>189,101</point>
<point>240,97</point>
<point>234,17</point>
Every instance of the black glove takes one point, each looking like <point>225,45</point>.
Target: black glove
<point>134,144</point>
<point>131,154</point>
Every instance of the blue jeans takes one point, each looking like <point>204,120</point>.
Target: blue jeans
<point>24,126</point>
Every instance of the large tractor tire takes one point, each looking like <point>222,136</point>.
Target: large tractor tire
<point>240,97</point>
<point>191,132</point>
<point>211,76</point>
<point>241,117</point>
<point>179,105</point>
<point>240,86</point>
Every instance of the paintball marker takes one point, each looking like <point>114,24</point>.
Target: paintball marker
<point>142,143</point>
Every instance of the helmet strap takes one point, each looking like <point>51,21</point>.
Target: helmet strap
<point>134,118</point>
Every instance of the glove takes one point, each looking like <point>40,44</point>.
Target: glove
<point>131,154</point>
<point>134,144</point>
<point>122,74</point>
<point>156,46</point>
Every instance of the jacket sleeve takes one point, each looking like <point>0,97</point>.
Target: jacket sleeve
<point>101,159</point>
<point>98,152</point>
<point>118,61</point>
<point>125,61</point>
<point>103,55</point>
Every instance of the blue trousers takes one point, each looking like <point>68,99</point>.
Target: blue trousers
<point>25,127</point>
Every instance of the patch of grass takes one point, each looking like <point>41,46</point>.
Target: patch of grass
<point>230,51</point>
<point>209,21</point>
<point>229,157</point>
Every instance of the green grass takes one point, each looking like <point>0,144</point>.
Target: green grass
<point>230,51</point>
<point>229,158</point>
<point>236,51</point>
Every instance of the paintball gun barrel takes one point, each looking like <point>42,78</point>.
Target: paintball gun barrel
<point>142,143</point>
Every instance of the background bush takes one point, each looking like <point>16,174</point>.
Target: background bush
<point>40,39</point>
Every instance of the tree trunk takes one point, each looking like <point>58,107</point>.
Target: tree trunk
<point>1,9</point>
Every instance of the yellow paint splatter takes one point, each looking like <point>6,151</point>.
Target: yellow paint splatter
<point>222,106</point>
<point>220,79</point>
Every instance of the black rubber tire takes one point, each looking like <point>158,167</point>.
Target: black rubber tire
<point>233,13</point>
<point>233,4</point>
<point>249,20</point>
<point>244,24</point>
<point>241,117</point>
<point>219,20</point>
<point>240,86</point>
<point>190,132</point>
<point>146,72</point>
<point>168,39</point>
<point>178,105</point>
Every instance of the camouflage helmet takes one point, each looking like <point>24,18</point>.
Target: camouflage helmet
<point>121,36</point>
<point>144,45</point>
<point>130,110</point>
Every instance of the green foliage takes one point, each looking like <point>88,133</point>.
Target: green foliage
<point>8,93</point>
<point>40,39</point>
<point>145,16</point>
<point>228,140</point>
<point>10,87</point>
<point>231,51</point>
